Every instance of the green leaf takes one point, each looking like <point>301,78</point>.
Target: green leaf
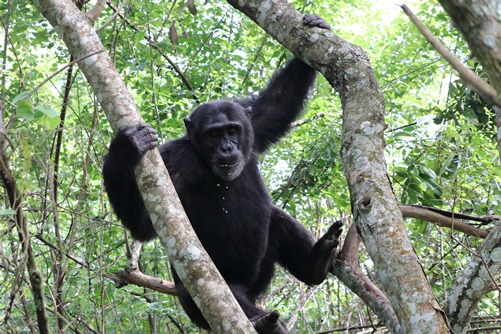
<point>50,123</point>
<point>20,97</point>
<point>427,173</point>
<point>24,110</point>
<point>7,212</point>
<point>404,136</point>
<point>49,112</point>
<point>26,152</point>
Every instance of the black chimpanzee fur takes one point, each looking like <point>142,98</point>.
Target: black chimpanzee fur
<point>215,173</point>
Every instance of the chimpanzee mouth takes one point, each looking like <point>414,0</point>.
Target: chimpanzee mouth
<point>228,170</point>
<point>229,165</point>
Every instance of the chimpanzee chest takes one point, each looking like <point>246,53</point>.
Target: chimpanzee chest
<point>231,219</point>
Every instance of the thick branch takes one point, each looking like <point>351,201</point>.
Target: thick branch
<point>95,11</point>
<point>346,268</point>
<point>185,251</point>
<point>375,208</point>
<point>474,282</point>
<point>480,24</point>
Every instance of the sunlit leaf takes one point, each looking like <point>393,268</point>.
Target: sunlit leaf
<point>47,111</point>
<point>20,97</point>
<point>24,110</point>
<point>7,212</point>
<point>50,123</point>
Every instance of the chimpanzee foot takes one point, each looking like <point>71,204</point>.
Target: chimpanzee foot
<point>323,254</point>
<point>330,239</point>
<point>269,324</point>
<point>312,20</point>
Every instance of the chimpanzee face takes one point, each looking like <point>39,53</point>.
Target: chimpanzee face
<point>222,133</point>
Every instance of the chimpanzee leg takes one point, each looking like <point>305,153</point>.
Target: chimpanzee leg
<point>190,307</point>
<point>264,322</point>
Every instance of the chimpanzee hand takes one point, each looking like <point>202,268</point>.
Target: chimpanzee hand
<point>269,324</point>
<point>140,138</point>
<point>312,20</point>
<point>323,253</point>
<point>132,143</point>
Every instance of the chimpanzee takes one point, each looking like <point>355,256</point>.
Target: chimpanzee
<point>215,172</point>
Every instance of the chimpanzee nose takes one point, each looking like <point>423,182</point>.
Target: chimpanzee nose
<point>227,147</point>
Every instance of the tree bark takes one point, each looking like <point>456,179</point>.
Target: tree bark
<point>475,281</point>
<point>375,208</point>
<point>185,251</point>
<point>347,269</point>
<point>454,222</point>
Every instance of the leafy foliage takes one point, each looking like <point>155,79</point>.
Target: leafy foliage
<point>440,149</point>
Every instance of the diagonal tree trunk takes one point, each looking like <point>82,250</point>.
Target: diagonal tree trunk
<point>375,208</point>
<point>474,282</point>
<point>185,251</point>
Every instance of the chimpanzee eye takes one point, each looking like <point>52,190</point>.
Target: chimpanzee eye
<point>232,130</point>
<point>213,134</point>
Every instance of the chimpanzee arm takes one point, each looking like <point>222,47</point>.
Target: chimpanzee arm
<point>283,99</point>
<point>124,154</point>
<point>297,251</point>
<point>280,103</point>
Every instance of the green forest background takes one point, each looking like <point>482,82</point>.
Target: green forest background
<point>172,55</point>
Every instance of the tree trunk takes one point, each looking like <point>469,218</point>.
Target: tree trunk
<point>185,251</point>
<point>375,208</point>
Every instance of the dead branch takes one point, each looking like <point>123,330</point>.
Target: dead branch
<point>440,218</point>
<point>468,76</point>
<point>136,277</point>
<point>95,11</point>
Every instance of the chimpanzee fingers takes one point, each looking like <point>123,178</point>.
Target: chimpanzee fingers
<point>143,137</point>
<point>313,20</point>
<point>138,129</point>
<point>149,136</point>
<point>335,229</point>
<point>308,19</point>
<point>330,238</point>
<point>269,324</point>
<point>330,244</point>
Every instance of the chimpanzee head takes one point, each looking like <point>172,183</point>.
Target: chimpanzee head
<point>222,133</point>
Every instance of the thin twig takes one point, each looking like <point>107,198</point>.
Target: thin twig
<point>62,69</point>
<point>306,120</point>
<point>95,11</point>
<point>153,45</point>
<point>115,14</point>
<point>467,75</point>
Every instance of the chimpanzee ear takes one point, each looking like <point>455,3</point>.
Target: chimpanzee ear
<point>248,111</point>
<point>187,123</point>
